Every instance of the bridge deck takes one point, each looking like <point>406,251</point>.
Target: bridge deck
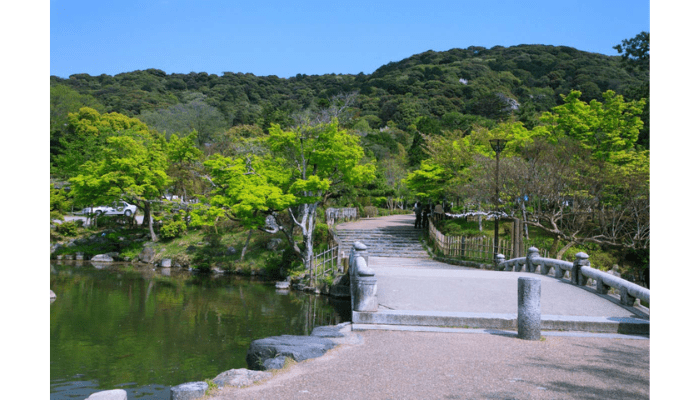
<point>421,291</point>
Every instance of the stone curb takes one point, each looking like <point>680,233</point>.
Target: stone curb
<point>501,321</point>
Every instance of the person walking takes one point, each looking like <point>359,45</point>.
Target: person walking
<point>418,209</point>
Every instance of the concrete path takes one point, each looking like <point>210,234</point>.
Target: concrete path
<point>430,365</point>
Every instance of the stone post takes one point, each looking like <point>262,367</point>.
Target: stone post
<point>532,252</point>
<point>363,284</point>
<point>499,259</point>
<point>529,311</point>
<point>577,277</point>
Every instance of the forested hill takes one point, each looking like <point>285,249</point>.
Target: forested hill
<point>456,88</point>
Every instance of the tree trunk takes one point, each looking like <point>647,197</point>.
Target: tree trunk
<point>527,233</point>
<point>245,246</point>
<point>147,219</point>
<point>561,252</point>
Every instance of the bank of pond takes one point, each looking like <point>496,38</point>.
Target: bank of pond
<point>145,329</point>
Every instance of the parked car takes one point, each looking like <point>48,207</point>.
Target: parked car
<point>117,208</point>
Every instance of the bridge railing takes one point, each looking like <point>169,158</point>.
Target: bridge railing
<point>579,272</point>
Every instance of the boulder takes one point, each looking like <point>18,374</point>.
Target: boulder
<point>332,331</point>
<point>188,391</point>
<point>53,295</point>
<point>147,255</point>
<point>298,348</point>
<point>230,251</point>
<point>116,394</point>
<point>240,377</point>
<point>166,263</point>
<point>102,258</point>
<point>282,285</point>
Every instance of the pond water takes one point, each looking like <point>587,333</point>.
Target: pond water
<point>145,330</point>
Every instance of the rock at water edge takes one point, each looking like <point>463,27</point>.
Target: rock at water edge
<point>240,377</point>
<point>188,391</point>
<point>298,348</point>
<point>116,394</point>
<point>103,258</point>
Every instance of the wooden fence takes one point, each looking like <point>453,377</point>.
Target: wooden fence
<point>479,249</point>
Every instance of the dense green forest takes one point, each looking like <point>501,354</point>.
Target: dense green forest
<point>453,89</point>
<point>577,125</point>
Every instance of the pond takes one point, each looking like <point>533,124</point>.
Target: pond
<point>145,330</point>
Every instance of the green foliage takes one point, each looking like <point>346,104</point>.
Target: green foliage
<point>70,228</point>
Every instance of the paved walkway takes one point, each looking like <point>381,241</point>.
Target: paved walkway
<point>430,365</point>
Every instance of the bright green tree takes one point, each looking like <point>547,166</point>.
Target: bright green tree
<point>131,165</point>
<point>317,158</point>
<point>608,129</point>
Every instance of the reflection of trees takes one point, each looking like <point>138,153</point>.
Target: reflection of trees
<point>138,326</point>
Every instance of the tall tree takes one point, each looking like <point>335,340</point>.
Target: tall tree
<point>318,158</point>
<point>131,165</point>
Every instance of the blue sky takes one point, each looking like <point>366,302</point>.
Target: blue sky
<point>284,38</point>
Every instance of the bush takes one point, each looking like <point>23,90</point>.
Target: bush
<point>320,234</point>
<point>172,229</point>
<point>69,228</point>
<point>371,211</point>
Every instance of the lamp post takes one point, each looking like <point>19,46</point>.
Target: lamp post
<point>497,145</point>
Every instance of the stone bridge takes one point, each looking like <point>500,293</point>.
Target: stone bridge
<point>412,290</point>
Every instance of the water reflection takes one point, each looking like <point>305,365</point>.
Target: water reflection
<point>145,329</point>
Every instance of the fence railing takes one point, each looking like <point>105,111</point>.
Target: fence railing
<point>578,272</point>
<point>325,263</point>
<point>479,249</point>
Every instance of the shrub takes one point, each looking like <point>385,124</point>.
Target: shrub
<point>320,234</point>
<point>173,228</point>
<point>69,228</point>
<point>371,211</point>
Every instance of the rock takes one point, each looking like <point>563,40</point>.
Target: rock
<point>53,295</point>
<point>299,348</point>
<point>274,363</point>
<point>340,286</point>
<point>240,377</point>
<point>147,255</point>
<point>282,285</point>
<point>274,244</point>
<point>188,391</point>
<point>166,263</point>
<point>230,251</point>
<point>79,256</point>
<point>331,331</point>
<point>102,258</point>
<point>116,394</point>
<point>191,249</point>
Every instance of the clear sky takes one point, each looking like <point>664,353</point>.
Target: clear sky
<point>284,38</point>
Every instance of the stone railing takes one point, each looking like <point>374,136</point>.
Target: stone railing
<point>578,273</point>
<point>363,283</point>
<point>336,215</point>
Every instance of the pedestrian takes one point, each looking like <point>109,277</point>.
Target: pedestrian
<point>424,218</point>
<point>418,210</point>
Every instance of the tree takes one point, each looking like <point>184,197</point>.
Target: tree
<point>247,190</point>
<point>318,158</point>
<point>87,132</point>
<point>131,165</point>
<point>608,129</point>
<point>635,51</point>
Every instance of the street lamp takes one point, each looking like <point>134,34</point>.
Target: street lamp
<point>497,145</point>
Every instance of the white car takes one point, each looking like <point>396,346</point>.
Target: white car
<point>116,208</point>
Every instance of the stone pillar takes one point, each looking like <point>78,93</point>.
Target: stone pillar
<point>363,284</point>
<point>577,277</point>
<point>499,259</point>
<point>532,252</point>
<point>529,311</point>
